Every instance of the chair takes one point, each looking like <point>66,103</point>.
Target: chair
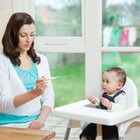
<point>132,98</point>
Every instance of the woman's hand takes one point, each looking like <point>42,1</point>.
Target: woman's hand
<point>41,85</point>
<point>37,124</point>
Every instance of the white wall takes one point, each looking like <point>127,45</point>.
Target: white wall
<point>5,13</point>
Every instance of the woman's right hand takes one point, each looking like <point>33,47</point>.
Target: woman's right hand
<point>41,85</point>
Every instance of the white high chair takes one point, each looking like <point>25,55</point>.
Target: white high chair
<point>132,98</point>
<point>124,126</point>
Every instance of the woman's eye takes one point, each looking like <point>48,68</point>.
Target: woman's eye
<point>32,35</point>
<point>22,35</point>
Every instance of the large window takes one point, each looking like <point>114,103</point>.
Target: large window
<point>121,37</point>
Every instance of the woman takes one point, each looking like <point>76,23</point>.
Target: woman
<point>26,97</point>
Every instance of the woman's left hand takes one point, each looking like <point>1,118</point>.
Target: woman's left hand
<point>37,124</point>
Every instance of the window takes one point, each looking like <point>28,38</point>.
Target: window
<point>58,18</point>
<point>120,36</point>
<point>59,26</point>
<point>121,23</point>
<point>59,22</point>
<point>63,20</point>
<point>84,41</point>
<point>70,86</point>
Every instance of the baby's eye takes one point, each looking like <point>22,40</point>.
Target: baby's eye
<point>107,81</point>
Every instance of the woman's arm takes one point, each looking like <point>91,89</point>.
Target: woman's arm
<point>47,98</point>
<point>41,85</point>
<point>41,120</point>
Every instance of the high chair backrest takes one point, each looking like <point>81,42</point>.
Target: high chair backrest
<point>131,92</point>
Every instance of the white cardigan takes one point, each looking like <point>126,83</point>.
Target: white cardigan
<point>11,85</point>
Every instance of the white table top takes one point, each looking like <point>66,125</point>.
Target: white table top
<point>78,111</point>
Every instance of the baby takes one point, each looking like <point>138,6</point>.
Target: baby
<point>112,99</point>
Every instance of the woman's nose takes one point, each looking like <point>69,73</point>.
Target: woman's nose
<point>28,39</point>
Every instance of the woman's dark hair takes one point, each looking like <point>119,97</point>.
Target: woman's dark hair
<point>10,38</point>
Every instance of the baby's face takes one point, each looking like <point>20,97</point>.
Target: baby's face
<point>110,83</point>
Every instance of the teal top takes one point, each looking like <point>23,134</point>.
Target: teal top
<point>28,77</point>
<point>13,119</point>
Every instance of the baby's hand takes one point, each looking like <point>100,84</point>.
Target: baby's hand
<point>106,102</point>
<point>91,99</point>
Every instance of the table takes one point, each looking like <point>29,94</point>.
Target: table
<point>9,133</point>
<point>80,112</point>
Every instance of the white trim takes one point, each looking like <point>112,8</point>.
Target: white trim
<point>50,41</point>
<point>120,49</point>
<point>61,49</point>
<point>93,41</point>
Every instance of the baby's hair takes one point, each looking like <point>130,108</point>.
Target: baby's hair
<point>119,72</point>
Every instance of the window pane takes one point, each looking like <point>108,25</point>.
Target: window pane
<point>130,62</point>
<point>71,86</point>
<point>58,17</point>
<point>121,22</point>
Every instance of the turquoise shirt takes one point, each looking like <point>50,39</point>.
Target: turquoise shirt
<point>28,77</point>
<point>13,119</point>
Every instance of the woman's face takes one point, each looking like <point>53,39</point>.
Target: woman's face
<point>26,37</point>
